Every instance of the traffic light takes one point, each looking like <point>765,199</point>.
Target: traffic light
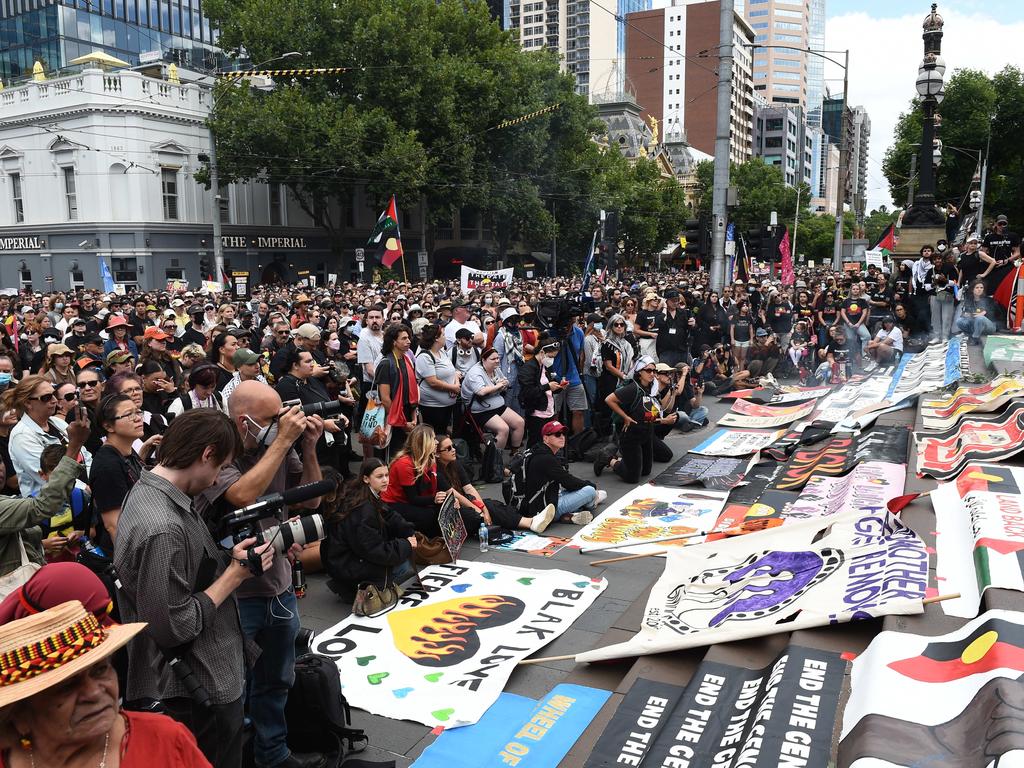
<point>205,269</point>
<point>705,236</point>
<point>773,240</point>
<point>755,244</point>
<point>691,249</point>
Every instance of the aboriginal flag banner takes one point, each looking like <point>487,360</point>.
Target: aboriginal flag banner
<point>386,238</point>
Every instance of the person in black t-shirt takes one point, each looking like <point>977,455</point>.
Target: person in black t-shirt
<point>1004,248</point>
<point>741,333</point>
<point>880,300</point>
<point>974,263</point>
<point>941,301</point>
<point>828,315</point>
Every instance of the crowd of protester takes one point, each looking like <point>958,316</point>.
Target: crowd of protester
<point>133,426</point>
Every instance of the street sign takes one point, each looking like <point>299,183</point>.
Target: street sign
<point>360,255</point>
<point>423,271</point>
<point>361,265</point>
<point>421,257</point>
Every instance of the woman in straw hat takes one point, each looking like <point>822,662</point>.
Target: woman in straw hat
<point>59,694</point>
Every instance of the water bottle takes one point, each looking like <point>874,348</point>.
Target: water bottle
<point>89,547</point>
<point>483,536</point>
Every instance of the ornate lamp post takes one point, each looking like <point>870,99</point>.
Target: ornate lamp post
<point>932,90</point>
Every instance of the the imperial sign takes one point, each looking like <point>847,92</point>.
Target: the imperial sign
<point>20,243</point>
<point>241,241</point>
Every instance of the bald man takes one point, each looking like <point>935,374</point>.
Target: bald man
<point>266,604</point>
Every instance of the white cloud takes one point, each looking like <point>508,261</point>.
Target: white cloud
<point>884,58</point>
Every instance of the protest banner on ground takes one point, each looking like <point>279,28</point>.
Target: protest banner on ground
<point>486,280</point>
<point>777,395</point>
<point>975,438</point>
<point>953,700</point>
<point>783,714</point>
<point>1003,351</point>
<point>939,365</point>
<point>804,574</point>
<point>519,731</point>
<point>442,656</point>
<point>719,473</point>
<point>737,442</point>
<point>532,544</point>
<point>801,433</point>
<point>840,453</point>
<point>651,512</point>
<point>979,542</point>
<point>943,413</point>
<point>756,416</point>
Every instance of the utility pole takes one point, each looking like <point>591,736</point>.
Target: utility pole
<point>796,222</point>
<point>722,126</point>
<point>844,152</point>
<point>978,225</point>
<point>218,243</point>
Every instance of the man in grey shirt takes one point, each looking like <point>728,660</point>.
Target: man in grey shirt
<point>176,579</point>
<point>368,352</point>
<point>270,615</point>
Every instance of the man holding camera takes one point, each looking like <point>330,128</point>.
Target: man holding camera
<point>267,463</point>
<point>191,657</point>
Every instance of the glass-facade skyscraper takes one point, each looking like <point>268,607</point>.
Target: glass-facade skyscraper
<point>55,32</point>
<point>816,64</point>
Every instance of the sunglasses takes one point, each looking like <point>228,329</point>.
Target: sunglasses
<point>447,448</point>
<point>48,397</point>
<point>93,383</point>
<point>69,397</point>
<point>560,433</point>
<point>647,370</point>
<point>618,325</point>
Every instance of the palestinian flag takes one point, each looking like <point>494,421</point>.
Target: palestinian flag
<point>888,241</point>
<point>995,644</point>
<point>386,239</point>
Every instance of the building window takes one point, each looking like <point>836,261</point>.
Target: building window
<point>169,191</point>
<point>125,270</point>
<point>788,25</point>
<point>773,142</point>
<point>174,274</point>
<point>773,124</point>
<point>19,203</point>
<point>69,192</point>
<point>276,200</point>
<point>25,278</point>
<point>789,38</point>
<point>469,224</point>
<point>224,204</point>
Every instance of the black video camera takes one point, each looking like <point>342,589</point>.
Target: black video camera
<point>325,409</point>
<point>244,523</point>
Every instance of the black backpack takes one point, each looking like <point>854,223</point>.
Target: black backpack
<point>513,489</point>
<point>577,446</point>
<point>492,468</point>
<point>317,713</point>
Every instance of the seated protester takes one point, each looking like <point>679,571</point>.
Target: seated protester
<point>763,355</point>
<point>637,407</point>
<point>412,488</point>
<point>565,497</point>
<point>367,540</point>
<point>906,321</point>
<point>62,530</point>
<point>202,392</point>
<point>472,507</point>
<point>978,314</point>
<point>483,393</point>
<point>689,402</point>
<point>888,342</point>
<point>801,350</point>
<point>836,358</point>
<point>718,373</point>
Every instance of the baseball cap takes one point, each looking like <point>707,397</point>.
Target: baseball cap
<point>463,333</point>
<point>244,356</point>
<point>58,349</point>
<point>671,293</point>
<point>155,332</point>
<point>761,332</point>
<point>1001,219</point>
<point>177,303</point>
<point>553,428</point>
<point>972,239</point>
<point>307,331</point>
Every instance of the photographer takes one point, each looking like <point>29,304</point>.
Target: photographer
<point>267,464</point>
<point>299,383</point>
<point>175,578</point>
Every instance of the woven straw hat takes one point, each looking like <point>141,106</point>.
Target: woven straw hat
<point>42,650</point>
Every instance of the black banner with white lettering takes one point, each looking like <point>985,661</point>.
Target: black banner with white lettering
<point>715,472</point>
<point>782,715</point>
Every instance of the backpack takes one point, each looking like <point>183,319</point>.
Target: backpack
<point>492,469</point>
<point>186,401</point>
<point>513,489</point>
<point>578,445</point>
<point>465,456</point>
<point>318,714</point>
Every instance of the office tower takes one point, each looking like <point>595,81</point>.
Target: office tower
<point>780,74</point>
<point>816,64</point>
<point>679,87</point>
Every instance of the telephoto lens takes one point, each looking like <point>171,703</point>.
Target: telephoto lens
<point>303,530</point>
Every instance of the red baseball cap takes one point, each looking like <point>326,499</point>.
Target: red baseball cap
<point>553,428</point>
<point>154,332</point>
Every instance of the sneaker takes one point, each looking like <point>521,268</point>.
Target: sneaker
<point>583,517</point>
<point>541,521</point>
<point>600,498</point>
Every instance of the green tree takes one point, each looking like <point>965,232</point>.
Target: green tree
<point>760,190</point>
<point>876,222</point>
<point>976,109</point>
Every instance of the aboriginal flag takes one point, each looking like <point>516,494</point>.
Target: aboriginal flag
<point>386,238</point>
<point>995,644</point>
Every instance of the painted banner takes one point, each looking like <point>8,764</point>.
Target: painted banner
<point>714,472</point>
<point>737,442</point>
<point>938,366</point>
<point>840,453</point>
<point>533,544</point>
<point>777,395</point>
<point>949,701</point>
<point>973,439</point>
<point>853,396</point>
<point>801,433</point>
<point>1003,349</point>
<point>979,542</point>
<point>783,714</point>
<point>943,413</point>
<point>650,512</point>
<point>756,416</point>
<point>808,573</point>
<point>519,731</point>
<point>482,279</point>
<point>453,529</point>
<point>445,653</point>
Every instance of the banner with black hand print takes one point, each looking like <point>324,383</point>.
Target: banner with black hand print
<point>949,701</point>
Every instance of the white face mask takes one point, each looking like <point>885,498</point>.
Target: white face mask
<point>334,344</point>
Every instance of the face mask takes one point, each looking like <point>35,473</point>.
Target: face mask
<point>5,379</point>
<point>264,435</point>
<point>598,326</point>
<point>488,300</point>
<point>334,344</point>
<point>58,306</point>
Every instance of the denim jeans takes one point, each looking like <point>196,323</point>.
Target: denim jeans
<point>858,332</point>
<point>698,416</point>
<point>273,624</point>
<point>574,501</point>
<point>976,327</point>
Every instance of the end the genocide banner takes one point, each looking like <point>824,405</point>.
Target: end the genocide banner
<point>804,574</point>
<point>948,701</point>
<point>487,280</point>
<point>783,714</point>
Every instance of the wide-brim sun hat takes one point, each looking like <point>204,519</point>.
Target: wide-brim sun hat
<point>45,649</point>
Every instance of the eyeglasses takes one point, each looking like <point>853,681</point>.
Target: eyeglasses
<point>129,415</point>
<point>131,391</point>
<point>48,397</point>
